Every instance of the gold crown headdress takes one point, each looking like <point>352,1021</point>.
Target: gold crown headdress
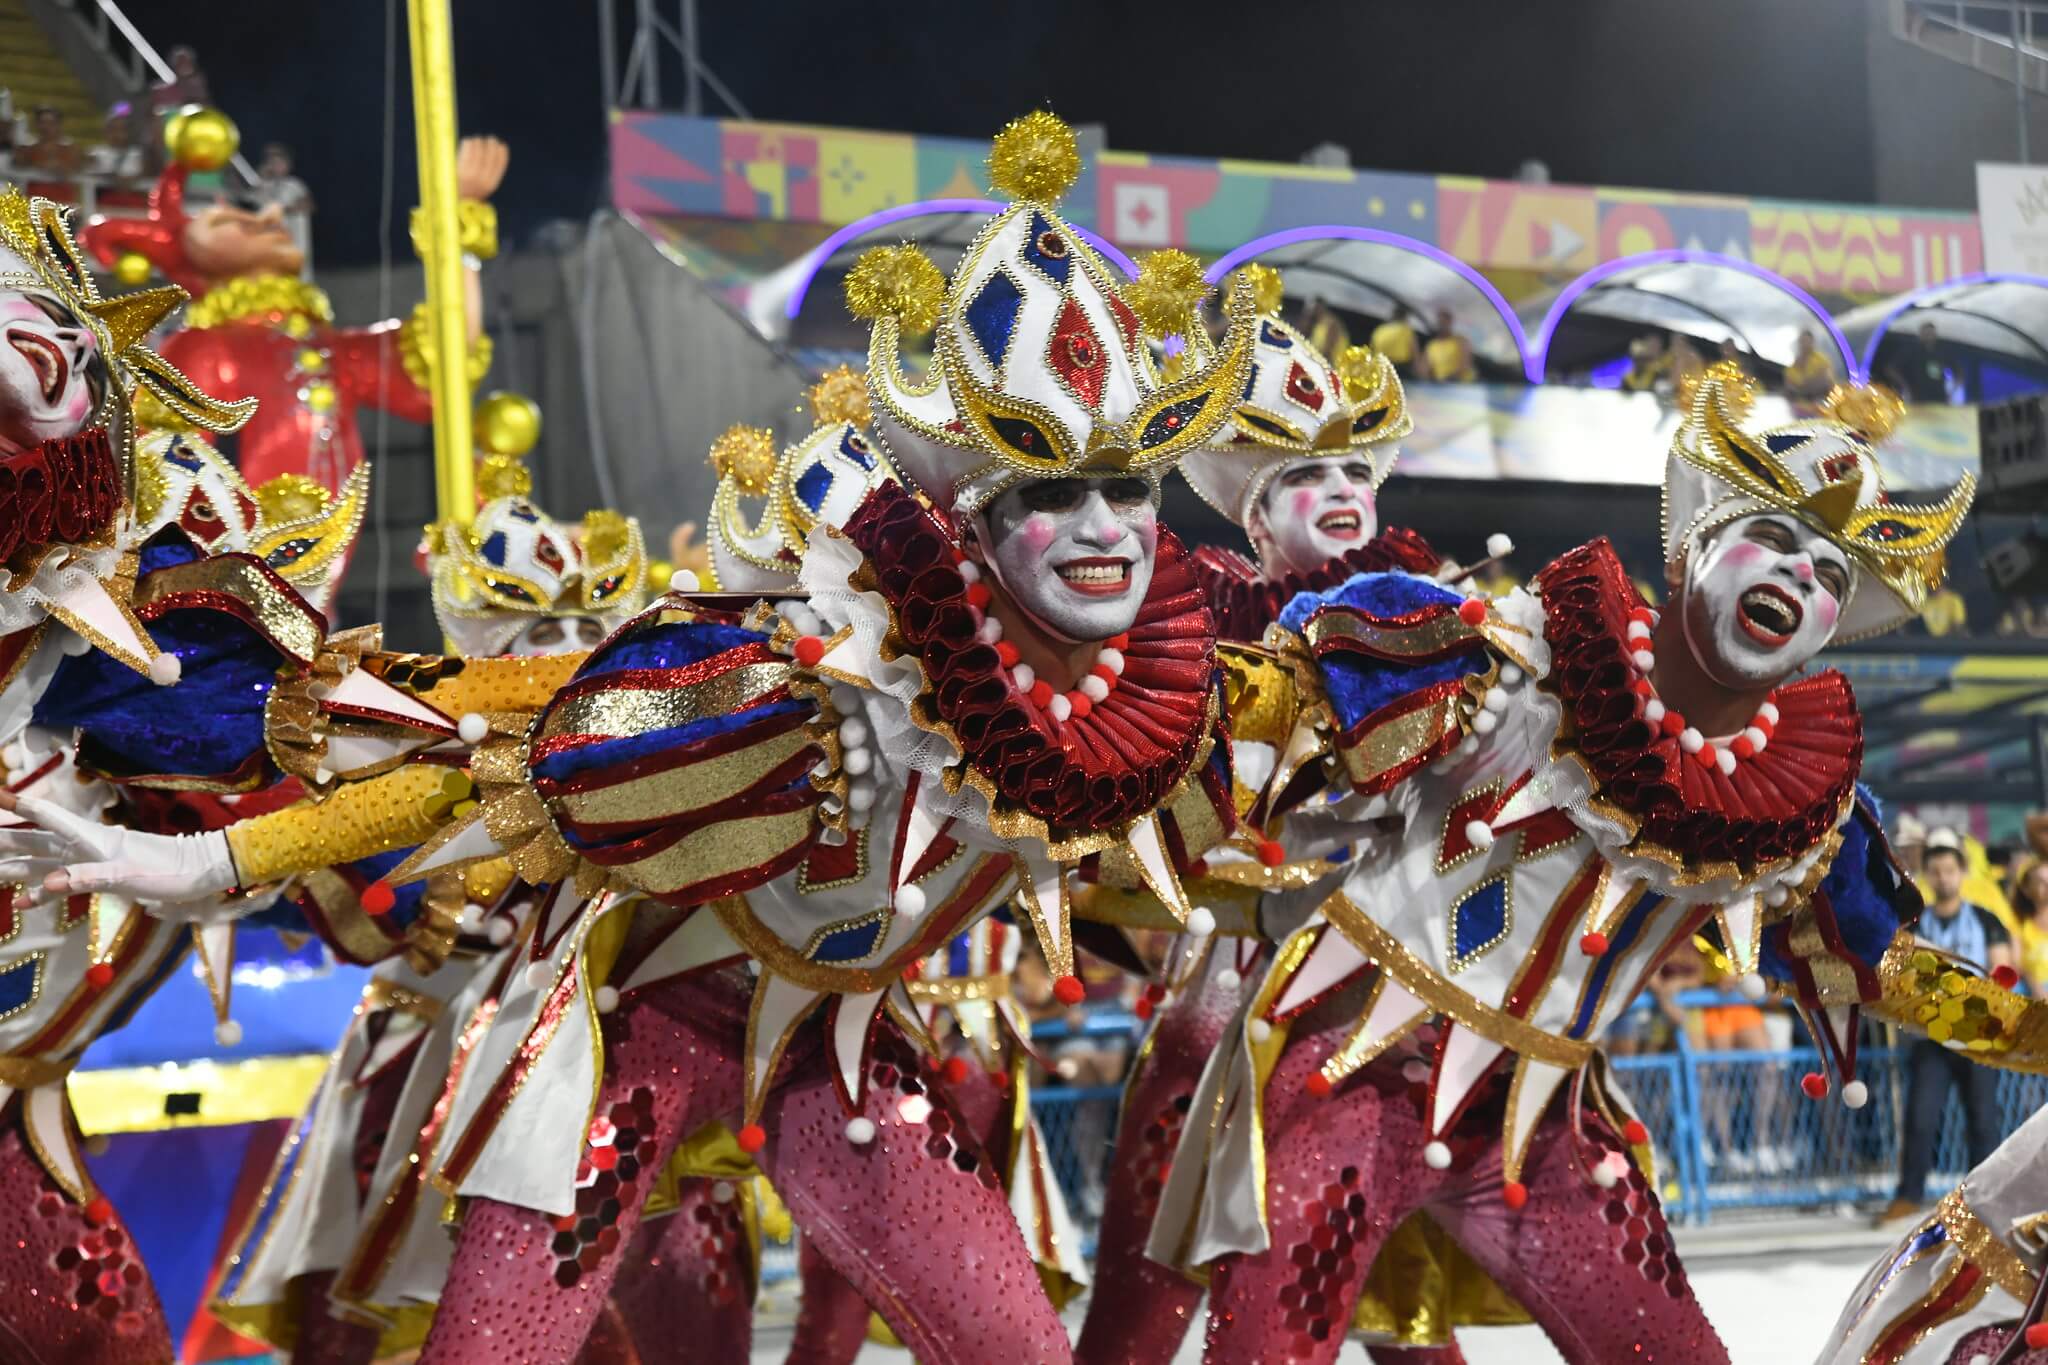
<point>819,479</point>
<point>1040,367</point>
<point>292,523</point>
<point>515,564</point>
<point>1820,470</point>
<point>1298,405</point>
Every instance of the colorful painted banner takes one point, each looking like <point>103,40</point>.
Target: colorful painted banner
<point>667,165</point>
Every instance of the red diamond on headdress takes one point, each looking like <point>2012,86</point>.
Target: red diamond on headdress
<point>1078,356</point>
<point>1302,388</point>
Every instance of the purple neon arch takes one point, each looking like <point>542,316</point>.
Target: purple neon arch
<point>1346,232</point>
<point>822,252</point>
<point>1914,298</point>
<point>1539,357</point>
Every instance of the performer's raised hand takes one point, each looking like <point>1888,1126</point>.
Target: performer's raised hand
<point>64,854</point>
<point>480,166</point>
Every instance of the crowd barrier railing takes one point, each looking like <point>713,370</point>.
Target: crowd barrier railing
<point>1732,1131</point>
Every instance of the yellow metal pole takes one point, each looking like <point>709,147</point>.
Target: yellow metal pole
<point>433,109</point>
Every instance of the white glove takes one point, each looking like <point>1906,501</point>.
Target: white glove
<point>69,854</point>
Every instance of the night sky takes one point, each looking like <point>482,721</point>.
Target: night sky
<point>1743,96</point>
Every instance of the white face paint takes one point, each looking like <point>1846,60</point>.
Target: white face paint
<point>558,635</point>
<point>1762,598</point>
<point>50,370</point>
<point>1314,510</point>
<point>1075,554</point>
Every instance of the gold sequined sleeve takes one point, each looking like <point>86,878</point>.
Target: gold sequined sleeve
<point>1259,701</point>
<point>400,808</point>
<point>1946,1000</point>
<point>495,686</point>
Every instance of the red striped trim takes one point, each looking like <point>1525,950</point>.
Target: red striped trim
<point>1534,977</point>
<point>772,795</point>
<point>699,751</point>
<point>1892,1347</point>
<point>471,1145</point>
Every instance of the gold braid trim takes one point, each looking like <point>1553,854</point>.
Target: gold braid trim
<point>1517,1035</point>
<point>959,990</point>
<point>386,995</point>
<point>476,224</point>
<point>1236,908</point>
<point>399,808</point>
<point>1943,999</point>
<point>416,350</point>
<point>278,297</point>
<point>431,938</point>
<point>1984,1248</point>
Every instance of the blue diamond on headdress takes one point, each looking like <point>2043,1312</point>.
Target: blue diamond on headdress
<point>493,548</point>
<point>1781,441</point>
<point>18,983</point>
<point>1479,920</point>
<point>1047,249</point>
<point>850,942</point>
<point>180,455</point>
<point>992,316</point>
<point>812,485</point>
<point>855,447</point>
<point>1274,337</point>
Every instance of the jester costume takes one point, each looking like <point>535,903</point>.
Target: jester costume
<point>344,1255</point>
<point>1424,1041</point>
<point>1297,408</point>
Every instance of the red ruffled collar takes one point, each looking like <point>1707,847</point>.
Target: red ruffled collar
<point>1244,601</point>
<point>1775,805</point>
<point>1084,775</point>
<point>64,491</point>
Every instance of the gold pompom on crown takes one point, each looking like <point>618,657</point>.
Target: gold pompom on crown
<point>746,455</point>
<point>897,282</point>
<point>290,497</point>
<point>1363,372</point>
<point>605,534</point>
<point>502,476</point>
<point>1871,410</point>
<point>1035,157</point>
<point>840,395</point>
<point>1168,291</point>
<point>1268,290</point>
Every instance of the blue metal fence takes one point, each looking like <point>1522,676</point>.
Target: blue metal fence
<point>1732,1129</point>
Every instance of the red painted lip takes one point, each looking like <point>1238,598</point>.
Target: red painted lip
<point>1768,635</point>
<point>1354,531</point>
<point>46,356</point>
<point>1101,587</point>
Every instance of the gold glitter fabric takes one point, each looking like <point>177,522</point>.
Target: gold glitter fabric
<point>1931,993</point>
<point>400,808</point>
<point>486,686</point>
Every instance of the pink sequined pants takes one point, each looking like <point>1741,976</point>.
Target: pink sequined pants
<point>71,1293</point>
<point>832,1317</point>
<point>1139,1310</point>
<point>1594,1267</point>
<point>915,1219</point>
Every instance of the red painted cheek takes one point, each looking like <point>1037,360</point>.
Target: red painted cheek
<point>1147,532</point>
<point>1828,609</point>
<point>1302,501</point>
<point>1744,553</point>
<point>1038,532</point>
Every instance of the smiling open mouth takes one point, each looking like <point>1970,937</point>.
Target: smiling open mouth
<point>47,359</point>
<point>1769,615</point>
<point>1096,577</point>
<point>1344,524</point>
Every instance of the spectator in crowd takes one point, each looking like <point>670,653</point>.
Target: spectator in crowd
<point>1731,353</point>
<point>1395,339</point>
<point>187,84</point>
<point>1649,364</point>
<point>1918,369</point>
<point>1448,357</point>
<point>118,156</point>
<point>2030,902</point>
<point>1973,934</point>
<point>276,187</point>
<point>1811,374</point>
<point>52,154</point>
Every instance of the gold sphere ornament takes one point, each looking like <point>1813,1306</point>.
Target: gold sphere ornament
<point>291,497</point>
<point>746,455</point>
<point>1268,290</point>
<point>507,423</point>
<point>1872,410</point>
<point>897,282</point>
<point>132,268</point>
<point>1168,291</point>
<point>502,476</point>
<point>202,139</point>
<point>659,572</point>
